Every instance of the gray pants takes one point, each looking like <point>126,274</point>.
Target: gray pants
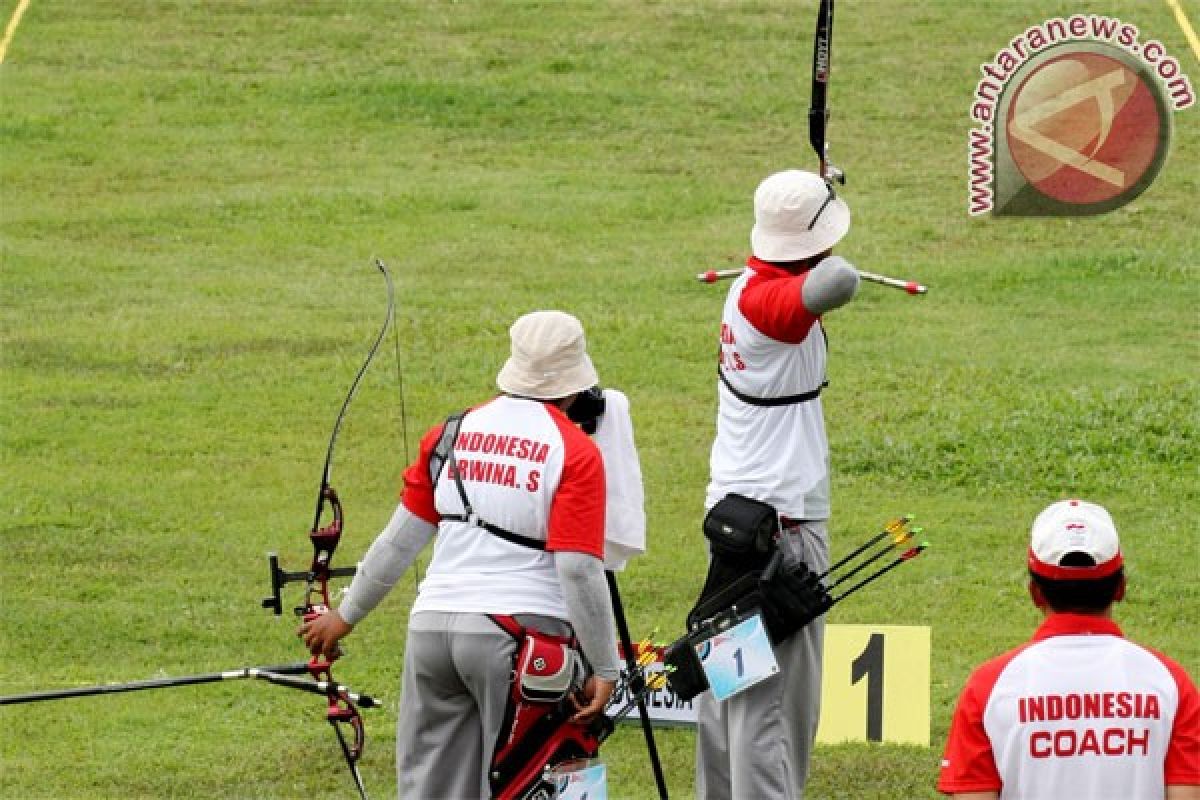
<point>757,743</point>
<point>453,696</point>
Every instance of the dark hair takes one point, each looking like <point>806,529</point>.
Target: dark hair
<point>1079,596</point>
<point>802,264</point>
<point>586,409</point>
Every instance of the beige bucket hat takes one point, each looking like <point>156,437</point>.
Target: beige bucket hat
<point>549,357</point>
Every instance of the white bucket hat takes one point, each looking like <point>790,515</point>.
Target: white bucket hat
<point>549,357</point>
<point>796,215</point>
<point>1074,526</point>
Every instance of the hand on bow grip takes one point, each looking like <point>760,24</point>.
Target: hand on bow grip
<point>321,632</point>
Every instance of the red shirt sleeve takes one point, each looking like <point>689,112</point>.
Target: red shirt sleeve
<point>774,307</point>
<point>417,492</point>
<point>577,510</point>
<point>968,763</point>
<point>1182,765</point>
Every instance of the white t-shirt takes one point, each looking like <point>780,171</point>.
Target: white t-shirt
<point>527,469</point>
<point>1078,712</point>
<point>771,346</point>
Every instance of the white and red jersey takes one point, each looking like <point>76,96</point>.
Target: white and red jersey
<point>527,469</point>
<point>771,347</point>
<point>1079,711</point>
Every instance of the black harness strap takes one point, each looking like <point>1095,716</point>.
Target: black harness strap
<point>496,530</point>
<point>772,402</point>
<point>768,402</point>
<point>444,454</point>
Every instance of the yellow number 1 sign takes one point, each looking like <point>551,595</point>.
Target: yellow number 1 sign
<point>875,685</point>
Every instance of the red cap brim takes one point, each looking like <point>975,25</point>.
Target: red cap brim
<point>1057,573</point>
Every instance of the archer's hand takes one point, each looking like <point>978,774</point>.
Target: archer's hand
<point>592,699</point>
<point>322,634</point>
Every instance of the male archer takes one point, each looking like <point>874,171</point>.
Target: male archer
<point>771,447</point>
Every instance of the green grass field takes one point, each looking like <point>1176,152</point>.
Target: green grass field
<point>191,196</point>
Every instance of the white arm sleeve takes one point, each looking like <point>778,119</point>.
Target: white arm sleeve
<point>390,555</point>
<point>590,609</point>
<point>829,285</point>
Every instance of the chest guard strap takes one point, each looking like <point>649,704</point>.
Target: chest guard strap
<point>772,402</point>
<point>768,402</point>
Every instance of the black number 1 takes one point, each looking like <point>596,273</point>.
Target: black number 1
<point>870,663</point>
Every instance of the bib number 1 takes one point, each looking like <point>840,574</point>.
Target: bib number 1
<point>737,658</point>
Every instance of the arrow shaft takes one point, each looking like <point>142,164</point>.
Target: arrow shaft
<point>880,572</point>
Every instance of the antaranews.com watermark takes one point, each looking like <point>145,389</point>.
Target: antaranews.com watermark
<point>1072,117</point>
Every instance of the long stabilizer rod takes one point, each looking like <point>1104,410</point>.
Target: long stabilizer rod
<point>911,287</point>
<point>280,675</point>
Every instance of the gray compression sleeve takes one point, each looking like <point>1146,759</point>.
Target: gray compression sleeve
<point>390,555</point>
<point>588,604</point>
<point>829,285</point>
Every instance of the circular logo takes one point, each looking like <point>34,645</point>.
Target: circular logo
<point>1087,128</point>
<point>539,664</point>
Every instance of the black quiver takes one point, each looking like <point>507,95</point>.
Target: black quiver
<point>745,575</point>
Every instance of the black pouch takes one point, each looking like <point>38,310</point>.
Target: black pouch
<point>740,528</point>
<point>741,532</point>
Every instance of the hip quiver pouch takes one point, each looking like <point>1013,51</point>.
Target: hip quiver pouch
<point>547,667</point>
<point>537,731</point>
<point>741,534</point>
<point>746,573</point>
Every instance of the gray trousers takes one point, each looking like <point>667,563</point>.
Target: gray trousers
<point>454,693</point>
<point>757,743</point>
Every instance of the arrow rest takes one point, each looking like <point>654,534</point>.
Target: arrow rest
<point>280,577</point>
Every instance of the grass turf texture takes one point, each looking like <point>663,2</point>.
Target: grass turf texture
<point>191,197</point>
